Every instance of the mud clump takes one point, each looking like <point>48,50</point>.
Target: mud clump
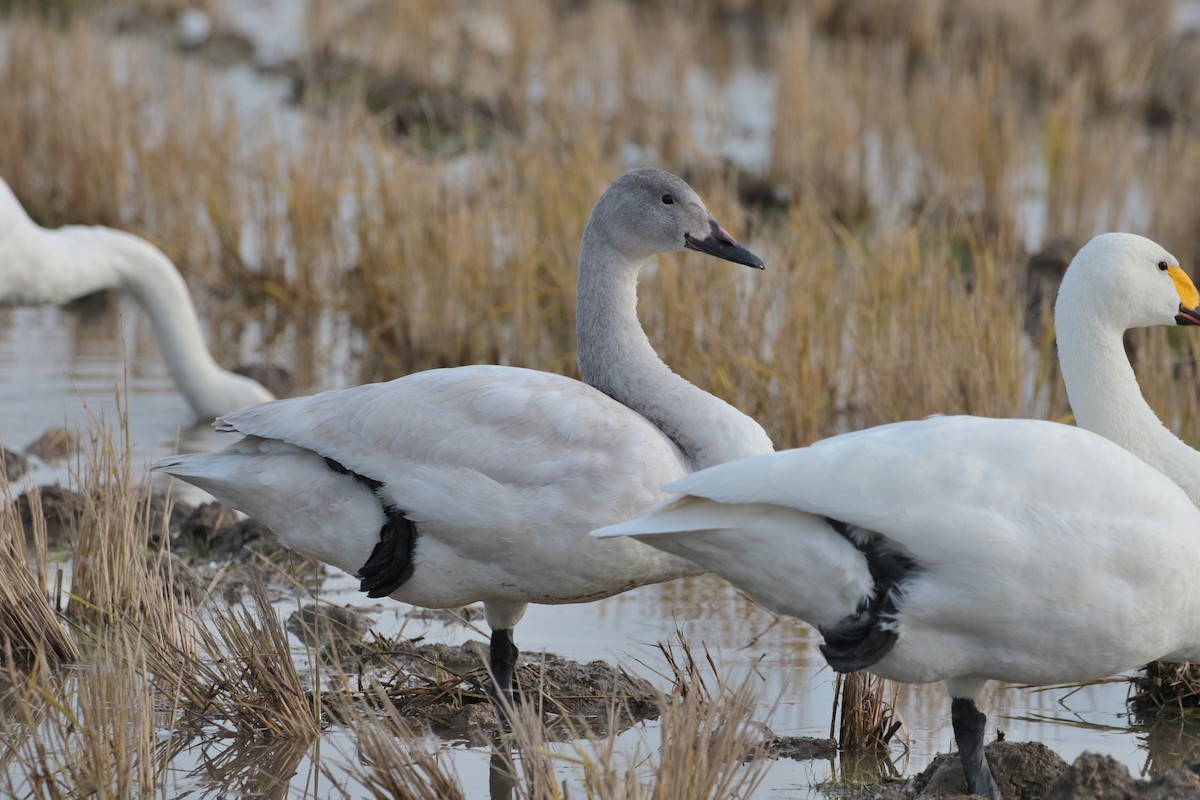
<point>15,464</point>
<point>1023,771</point>
<point>54,445</point>
<point>212,531</point>
<point>799,748</point>
<point>1101,777</point>
<point>446,688</point>
<point>62,509</point>
<point>203,526</point>
<point>328,628</point>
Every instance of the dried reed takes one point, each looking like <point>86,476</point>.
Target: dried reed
<point>99,731</point>
<point>31,630</point>
<point>867,720</point>
<point>237,672</point>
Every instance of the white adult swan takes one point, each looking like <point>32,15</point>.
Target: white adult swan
<point>964,549</point>
<point>453,486</point>
<point>1090,322</point>
<point>40,266</point>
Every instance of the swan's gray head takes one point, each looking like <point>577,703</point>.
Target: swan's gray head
<point>1129,280</point>
<point>648,211</point>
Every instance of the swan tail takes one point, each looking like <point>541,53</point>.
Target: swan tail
<point>182,466</point>
<point>678,515</point>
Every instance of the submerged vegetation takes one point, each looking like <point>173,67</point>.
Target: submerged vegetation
<point>895,163</point>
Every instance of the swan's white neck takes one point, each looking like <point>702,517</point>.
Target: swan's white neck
<point>616,357</point>
<point>55,266</point>
<point>1106,398</point>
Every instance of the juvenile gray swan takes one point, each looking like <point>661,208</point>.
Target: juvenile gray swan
<point>481,483</point>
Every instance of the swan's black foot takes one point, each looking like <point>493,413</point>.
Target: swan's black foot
<point>969,723</point>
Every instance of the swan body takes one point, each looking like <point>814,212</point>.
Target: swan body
<point>495,466</point>
<point>1039,552</point>
<point>40,266</point>
<point>963,549</point>
<point>482,482</point>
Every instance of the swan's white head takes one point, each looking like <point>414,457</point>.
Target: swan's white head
<point>1130,281</point>
<point>648,211</point>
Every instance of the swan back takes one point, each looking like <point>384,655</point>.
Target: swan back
<point>1004,521</point>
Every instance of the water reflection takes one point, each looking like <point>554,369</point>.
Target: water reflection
<point>239,767</point>
<point>1168,740</point>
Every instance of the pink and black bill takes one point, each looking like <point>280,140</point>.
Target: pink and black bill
<point>1187,316</point>
<point>719,243</point>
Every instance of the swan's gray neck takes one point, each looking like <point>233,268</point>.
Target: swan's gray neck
<point>1106,398</point>
<point>616,357</point>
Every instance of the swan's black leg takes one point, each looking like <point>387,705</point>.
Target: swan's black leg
<point>969,723</point>
<point>502,658</point>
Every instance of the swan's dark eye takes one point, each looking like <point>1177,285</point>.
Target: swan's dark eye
<point>667,199</point>
<point>1162,265</point>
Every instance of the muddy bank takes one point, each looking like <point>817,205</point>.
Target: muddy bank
<point>1032,771</point>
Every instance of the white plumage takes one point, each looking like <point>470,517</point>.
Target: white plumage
<point>1104,294</point>
<point>40,266</point>
<point>503,471</point>
<point>964,549</point>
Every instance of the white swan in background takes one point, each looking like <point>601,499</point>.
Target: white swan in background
<point>481,483</point>
<point>964,549</point>
<point>40,266</point>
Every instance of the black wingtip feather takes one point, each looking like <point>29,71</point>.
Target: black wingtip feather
<point>391,561</point>
<point>857,651</point>
<point>862,639</point>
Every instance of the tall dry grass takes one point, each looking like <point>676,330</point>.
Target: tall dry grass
<point>237,672</point>
<point>31,631</point>
<point>98,730</point>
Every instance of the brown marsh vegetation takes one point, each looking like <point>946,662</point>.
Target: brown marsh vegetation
<point>424,209</point>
